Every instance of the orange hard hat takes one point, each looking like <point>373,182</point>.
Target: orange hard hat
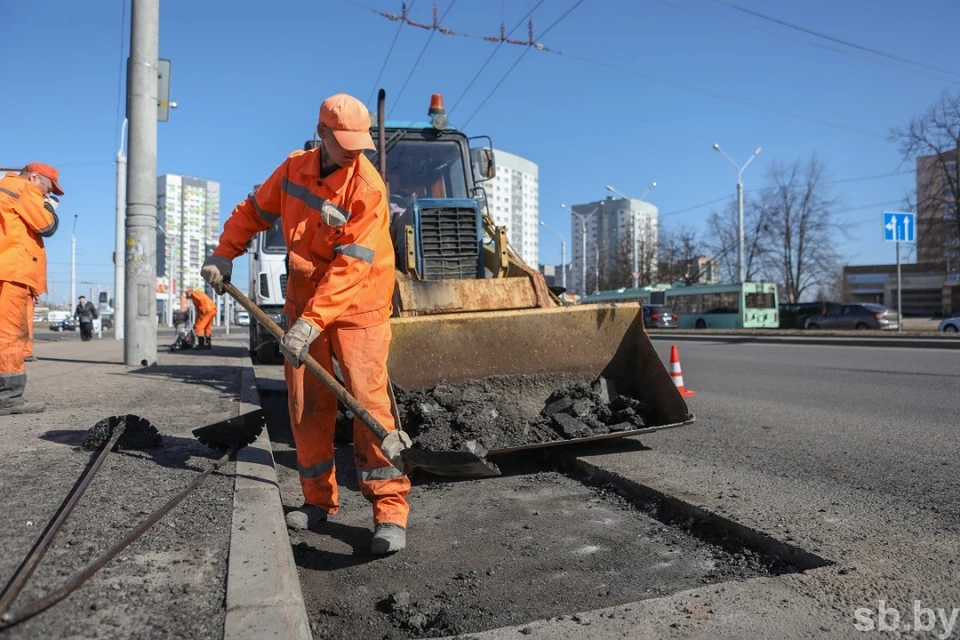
<point>48,172</point>
<point>349,120</point>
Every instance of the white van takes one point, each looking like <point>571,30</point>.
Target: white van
<point>243,319</point>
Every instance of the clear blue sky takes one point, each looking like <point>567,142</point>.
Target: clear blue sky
<point>249,76</point>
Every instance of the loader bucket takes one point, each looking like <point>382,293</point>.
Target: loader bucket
<point>599,340</point>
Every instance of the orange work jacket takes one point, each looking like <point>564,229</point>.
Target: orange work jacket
<point>337,231</point>
<point>202,302</point>
<point>24,223</point>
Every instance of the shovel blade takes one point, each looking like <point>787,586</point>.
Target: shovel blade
<point>463,464</point>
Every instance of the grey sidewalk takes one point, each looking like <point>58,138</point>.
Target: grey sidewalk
<point>173,581</point>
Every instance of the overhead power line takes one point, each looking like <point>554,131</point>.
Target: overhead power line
<point>820,45</point>
<point>846,43</point>
<point>530,46</point>
<point>376,82</point>
<point>762,189</point>
<point>494,52</point>
<point>533,43</point>
<point>123,23</point>
<point>433,30</point>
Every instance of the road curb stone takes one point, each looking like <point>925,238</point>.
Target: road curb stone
<point>264,598</point>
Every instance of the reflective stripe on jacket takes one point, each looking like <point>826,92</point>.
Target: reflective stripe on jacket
<point>24,222</point>
<point>337,232</point>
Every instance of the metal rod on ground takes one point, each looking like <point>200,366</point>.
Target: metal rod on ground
<point>77,580</point>
<point>29,564</point>
<point>119,250</point>
<point>140,339</point>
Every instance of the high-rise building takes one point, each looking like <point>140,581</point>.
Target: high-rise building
<point>938,210</point>
<point>188,228</point>
<point>609,260</point>
<point>513,198</point>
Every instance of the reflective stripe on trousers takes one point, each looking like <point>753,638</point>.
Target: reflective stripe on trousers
<point>362,354</point>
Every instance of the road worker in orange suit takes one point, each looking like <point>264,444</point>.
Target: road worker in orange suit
<point>206,310</point>
<point>332,205</point>
<point>27,215</point>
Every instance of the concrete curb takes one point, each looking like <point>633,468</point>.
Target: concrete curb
<point>264,598</point>
<point>891,342</point>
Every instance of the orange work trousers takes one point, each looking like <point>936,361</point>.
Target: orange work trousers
<point>362,354</point>
<point>204,323</point>
<point>28,348</point>
<point>14,327</point>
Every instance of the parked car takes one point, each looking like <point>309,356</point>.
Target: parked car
<point>855,316</point>
<point>794,315</point>
<point>657,316</point>
<point>243,319</point>
<point>70,324</point>
<point>950,325</point>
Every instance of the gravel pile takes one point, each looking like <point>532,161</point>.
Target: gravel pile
<point>511,411</point>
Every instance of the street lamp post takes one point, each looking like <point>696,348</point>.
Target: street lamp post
<point>73,261</point>
<point>563,254</point>
<point>583,238</point>
<point>740,171</point>
<point>596,267</point>
<point>633,233</point>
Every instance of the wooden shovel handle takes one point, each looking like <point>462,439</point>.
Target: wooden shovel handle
<point>326,378</point>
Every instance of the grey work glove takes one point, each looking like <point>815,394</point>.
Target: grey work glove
<point>216,270</point>
<point>393,446</point>
<point>295,343</point>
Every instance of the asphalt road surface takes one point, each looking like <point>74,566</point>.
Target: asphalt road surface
<point>886,420</point>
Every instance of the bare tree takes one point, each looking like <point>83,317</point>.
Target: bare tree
<point>932,140</point>
<point>798,208</point>
<point>680,253</point>
<point>725,243</point>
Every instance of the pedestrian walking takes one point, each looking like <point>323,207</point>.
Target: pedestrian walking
<point>332,204</point>
<point>27,216</point>
<point>206,309</point>
<point>86,313</point>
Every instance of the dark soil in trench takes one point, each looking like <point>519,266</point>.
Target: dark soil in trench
<point>482,554</point>
<point>510,411</point>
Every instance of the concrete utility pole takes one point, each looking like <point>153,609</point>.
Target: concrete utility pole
<point>118,247</point>
<point>583,248</point>
<point>140,343</point>
<point>563,254</point>
<point>73,261</point>
<point>635,266</point>
<point>740,170</point>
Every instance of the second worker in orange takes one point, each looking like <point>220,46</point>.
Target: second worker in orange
<point>333,207</point>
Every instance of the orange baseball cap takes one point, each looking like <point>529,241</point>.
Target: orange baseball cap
<point>349,120</point>
<point>49,172</point>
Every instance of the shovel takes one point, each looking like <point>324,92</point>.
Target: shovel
<point>395,445</point>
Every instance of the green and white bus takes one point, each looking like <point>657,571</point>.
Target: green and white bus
<point>750,305</point>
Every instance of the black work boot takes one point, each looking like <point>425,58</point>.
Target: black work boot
<point>209,343</point>
<point>199,342</point>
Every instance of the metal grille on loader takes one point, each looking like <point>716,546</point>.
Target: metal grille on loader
<point>450,241</point>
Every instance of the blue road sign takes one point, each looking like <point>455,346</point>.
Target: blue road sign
<point>899,226</point>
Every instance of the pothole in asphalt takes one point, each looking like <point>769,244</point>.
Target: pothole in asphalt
<point>535,543</point>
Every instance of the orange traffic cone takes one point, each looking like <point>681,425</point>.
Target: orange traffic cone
<point>677,375</point>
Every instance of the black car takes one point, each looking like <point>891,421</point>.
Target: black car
<point>70,324</point>
<point>794,315</point>
<point>657,316</point>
